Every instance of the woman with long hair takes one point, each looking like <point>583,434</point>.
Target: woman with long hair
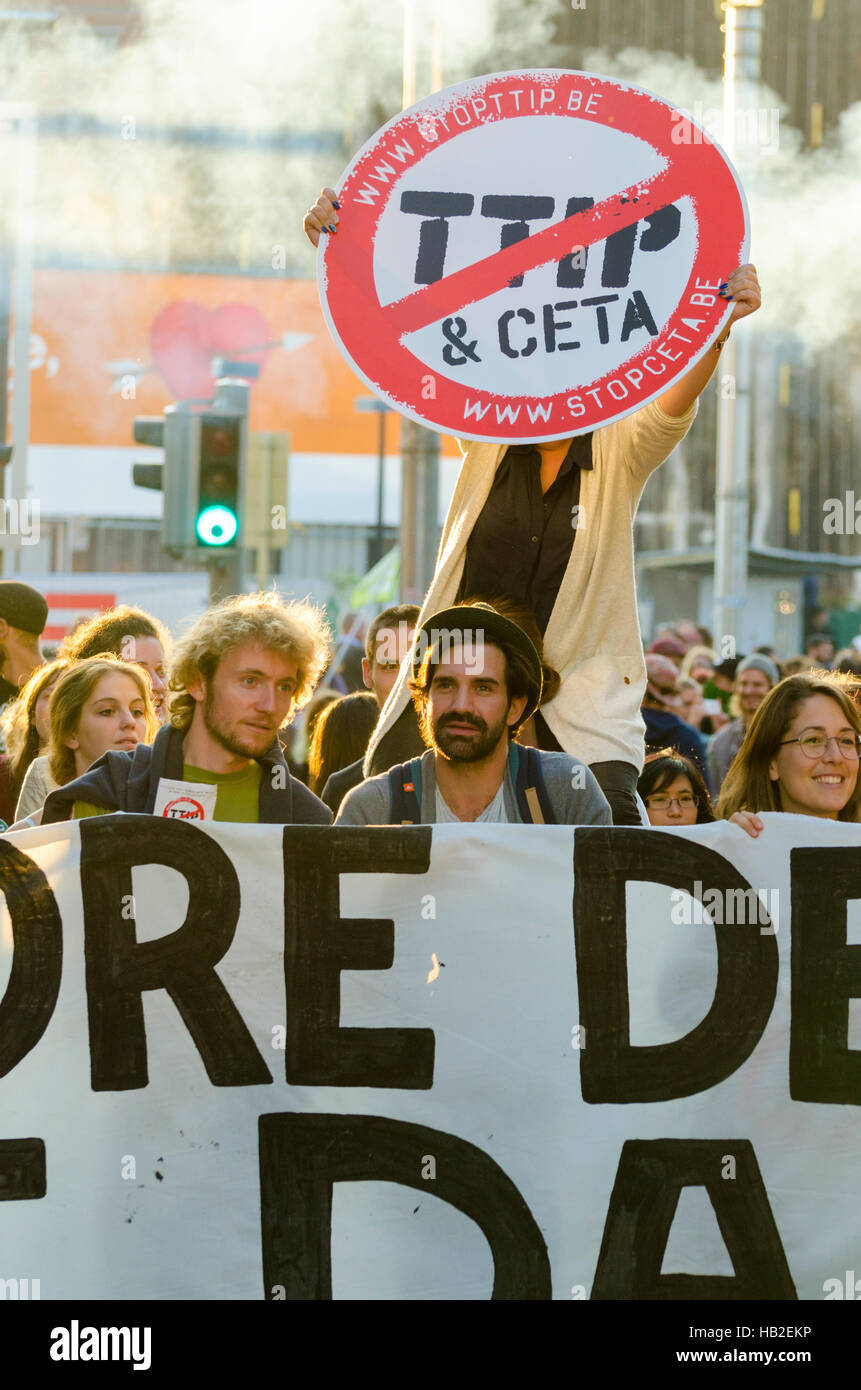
<point>673,790</point>
<point>27,732</point>
<point>341,733</point>
<point>800,755</point>
<point>98,704</point>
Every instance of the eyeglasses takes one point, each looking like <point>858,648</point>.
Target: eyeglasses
<point>660,802</point>
<point>814,745</point>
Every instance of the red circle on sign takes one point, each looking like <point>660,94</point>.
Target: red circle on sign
<point>194,812</point>
<point>378,331</point>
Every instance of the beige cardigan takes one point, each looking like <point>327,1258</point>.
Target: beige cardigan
<point>593,635</point>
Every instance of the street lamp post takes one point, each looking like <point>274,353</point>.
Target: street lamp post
<point>372,405</point>
<point>743,41</point>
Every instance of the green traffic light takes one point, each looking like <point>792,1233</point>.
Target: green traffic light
<point>216,526</point>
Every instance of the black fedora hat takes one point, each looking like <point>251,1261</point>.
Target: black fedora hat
<point>484,624</point>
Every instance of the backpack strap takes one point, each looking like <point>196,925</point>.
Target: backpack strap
<point>533,801</point>
<point>405,793</point>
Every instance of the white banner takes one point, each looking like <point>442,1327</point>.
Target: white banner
<point>429,1063</point>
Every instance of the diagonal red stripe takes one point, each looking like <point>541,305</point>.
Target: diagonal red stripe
<point>487,276</point>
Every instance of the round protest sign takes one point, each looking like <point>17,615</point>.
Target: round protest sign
<point>532,254</point>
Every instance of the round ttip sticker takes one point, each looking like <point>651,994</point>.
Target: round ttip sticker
<point>531,255</point>
<point>184,808</point>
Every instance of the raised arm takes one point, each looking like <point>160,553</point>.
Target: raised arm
<point>742,288</point>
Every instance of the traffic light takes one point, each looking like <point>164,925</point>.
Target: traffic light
<point>202,476</point>
<point>149,429</point>
<point>218,510</point>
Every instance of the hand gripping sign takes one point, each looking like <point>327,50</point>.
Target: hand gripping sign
<point>532,254</point>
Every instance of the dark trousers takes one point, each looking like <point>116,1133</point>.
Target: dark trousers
<point>617,780</point>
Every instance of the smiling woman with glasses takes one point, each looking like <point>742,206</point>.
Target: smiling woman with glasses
<point>800,755</point>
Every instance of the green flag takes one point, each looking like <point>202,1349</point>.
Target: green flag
<point>381,585</point>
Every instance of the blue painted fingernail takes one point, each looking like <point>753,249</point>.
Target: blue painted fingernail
<point>331,229</point>
<point>723,285</point>
<point>336,205</point>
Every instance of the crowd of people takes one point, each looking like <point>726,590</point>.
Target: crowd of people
<point>518,692</point>
<point>124,718</point>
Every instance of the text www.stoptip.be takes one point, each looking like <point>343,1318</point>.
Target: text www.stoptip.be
<point>764,1358</point>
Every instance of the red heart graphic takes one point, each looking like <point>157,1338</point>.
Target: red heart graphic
<point>185,337</point>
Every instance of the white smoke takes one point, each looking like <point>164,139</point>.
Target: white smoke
<point>334,68</point>
<point>263,67</point>
<point>805,205</point>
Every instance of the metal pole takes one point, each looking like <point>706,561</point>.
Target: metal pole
<point>410,445</point>
<point>743,41</point>
<point>381,467</point>
<point>225,576</point>
<point>5,305</point>
<point>263,551</point>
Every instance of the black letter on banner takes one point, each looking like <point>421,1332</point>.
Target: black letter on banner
<point>37,955</point>
<point>611,1070</point>
<point>519,210</point>
<point>303,1156</point>
<point>319,944</point>
<point>650,1176</point>
<point>826,974</point>
<point>433,235</point>
<point>22,1170</point>
<point>120,968</point>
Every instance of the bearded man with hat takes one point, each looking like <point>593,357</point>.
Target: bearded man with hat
<point>23,614</point>
<point>476,679</point>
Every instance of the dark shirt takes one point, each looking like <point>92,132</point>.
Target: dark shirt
<point>339,783</point>
<point>521,543</point>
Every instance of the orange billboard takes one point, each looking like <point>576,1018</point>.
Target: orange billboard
<point>107,346</point>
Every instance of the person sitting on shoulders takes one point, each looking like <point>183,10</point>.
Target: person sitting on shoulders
<point>549,523</point>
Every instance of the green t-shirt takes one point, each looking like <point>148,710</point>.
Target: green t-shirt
<point>237,798</point>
